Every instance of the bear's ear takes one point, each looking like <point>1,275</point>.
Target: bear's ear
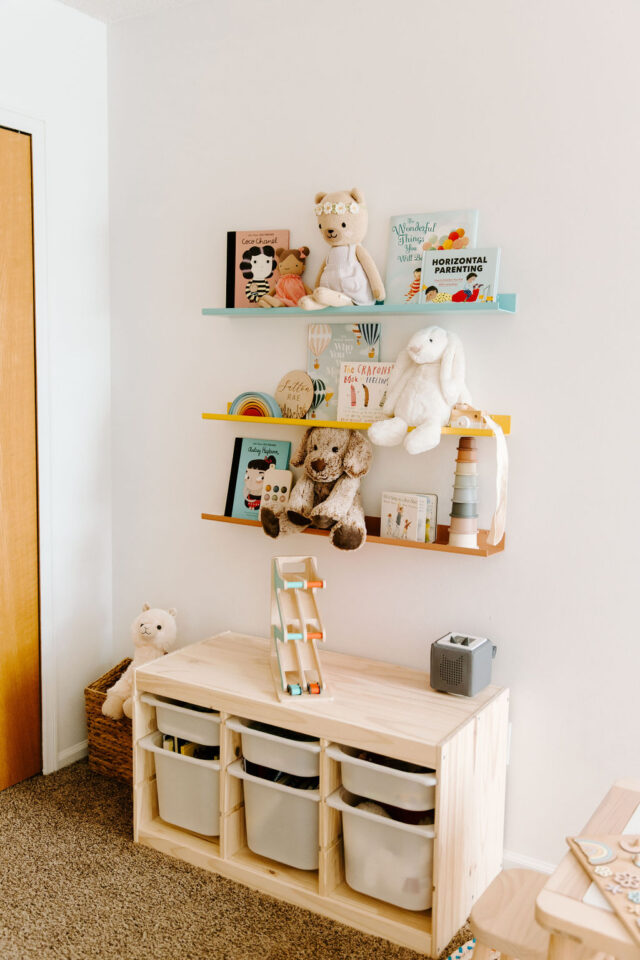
<point>305,251</point>
<point>279,252</point>
<point>320,197</point>
<point>357,195</point>
<point>173,611</point>
<point>145,606</point>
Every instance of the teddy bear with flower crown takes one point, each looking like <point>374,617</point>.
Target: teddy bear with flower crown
<point>348,274</point>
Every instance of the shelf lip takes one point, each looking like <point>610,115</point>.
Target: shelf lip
<point>506,303</point>
<point>484,550</point>
<point>503,419</point>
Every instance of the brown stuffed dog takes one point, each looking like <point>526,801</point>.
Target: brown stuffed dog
<point>327,494</point>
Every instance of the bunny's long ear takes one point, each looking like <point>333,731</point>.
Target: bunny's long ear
<point>358,455</point>
<point>452,369</point>
<point>299,456</point>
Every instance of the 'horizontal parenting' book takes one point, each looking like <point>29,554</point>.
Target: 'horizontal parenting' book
<point>251,460</point>
<point>362,390</point>
<point>329,345</point>
<point>251,264</point>
<point>409,516</point>
<point>460,276</point>
<point>411,234</point>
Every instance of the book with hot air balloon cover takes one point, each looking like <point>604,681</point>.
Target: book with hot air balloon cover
<point>362,390</point>
<point>330,345</point>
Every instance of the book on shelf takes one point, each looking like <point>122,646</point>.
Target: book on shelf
<point>409,516</point>
<point>330,345</point>
<point>460,276</point>
<point>251,460</point>
<point>252,269</point>
<point>362,390</point>
<point>410,234</point>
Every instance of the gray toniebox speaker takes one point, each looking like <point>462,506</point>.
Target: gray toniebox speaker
<point>461,664</point>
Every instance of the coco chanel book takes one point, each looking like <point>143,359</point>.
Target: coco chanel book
<point>251,264</point>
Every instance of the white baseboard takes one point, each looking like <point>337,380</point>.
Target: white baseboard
<point>514,860</point>
<point>71,754</point>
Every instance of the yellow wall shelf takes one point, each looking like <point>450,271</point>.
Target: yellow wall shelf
<point>503,419</point>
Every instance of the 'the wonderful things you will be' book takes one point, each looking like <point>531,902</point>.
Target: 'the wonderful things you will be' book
<point>411,234</point>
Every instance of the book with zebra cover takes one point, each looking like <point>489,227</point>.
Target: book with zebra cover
<point>251,264</point>
<point>362,391</point>
<point>329,345</point>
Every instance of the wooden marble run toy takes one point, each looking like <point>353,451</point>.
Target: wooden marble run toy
<point>296,627</point>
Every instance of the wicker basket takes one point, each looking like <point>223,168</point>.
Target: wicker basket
<point>110,747</point>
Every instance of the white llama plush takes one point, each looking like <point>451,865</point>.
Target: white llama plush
<point>153,633</point>
<point>429,378</point>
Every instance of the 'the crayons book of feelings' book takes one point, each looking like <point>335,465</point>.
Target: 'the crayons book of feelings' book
<point>251,264</point>
<point>329,345</point>
<point>251,460</point>
<point>411,234</point>
<point>362,391</point>
<point>460,276</point>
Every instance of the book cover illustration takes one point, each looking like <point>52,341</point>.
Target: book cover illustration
<point>460,277</point>
<point>329,345</point>
<point>251,460</point>
<point>362,391</point>
<point>409,516</point>
<point>251,264</point>
<point>411,234</point>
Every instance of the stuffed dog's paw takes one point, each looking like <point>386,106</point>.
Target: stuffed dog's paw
<point>323,516</point>
<point>347,537</point>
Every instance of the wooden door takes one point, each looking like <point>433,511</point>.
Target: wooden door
<point>20,737</point>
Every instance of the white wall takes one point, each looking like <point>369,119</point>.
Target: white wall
<point>231,115</point>
<point>53,70</point>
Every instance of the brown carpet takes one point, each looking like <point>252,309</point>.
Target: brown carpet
<point>74,886</point>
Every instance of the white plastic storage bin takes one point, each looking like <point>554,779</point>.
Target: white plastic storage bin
<point>385,858</point>
<point>282,822</point>
<point>278,749</point>
<point>386,784</point>
<point>188,788</point>
<point>189,723</point>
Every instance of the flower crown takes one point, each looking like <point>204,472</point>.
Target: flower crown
<point>328,207</point>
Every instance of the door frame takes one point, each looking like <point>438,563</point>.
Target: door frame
<point>48,686</point>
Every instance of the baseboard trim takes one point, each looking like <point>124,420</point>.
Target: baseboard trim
<point>71,754</point>
<point>514,860</point>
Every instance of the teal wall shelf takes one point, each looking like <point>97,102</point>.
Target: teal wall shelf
<point>506,304</point>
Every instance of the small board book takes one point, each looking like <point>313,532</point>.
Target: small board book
<point>411,234</point>
<point>251,264</point>
<point>362,390</point>
<point>460,276</point>
<point>409,516</point>
<point>251,460</point>
<point>329,345</point>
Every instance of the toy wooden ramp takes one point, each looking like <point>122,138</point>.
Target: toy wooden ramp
<point>296,628</point>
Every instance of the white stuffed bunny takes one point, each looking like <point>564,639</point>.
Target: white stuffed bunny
<point>153,633</point>
<point>427,381</point>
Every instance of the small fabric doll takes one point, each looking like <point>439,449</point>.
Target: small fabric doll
<point>290,287</point>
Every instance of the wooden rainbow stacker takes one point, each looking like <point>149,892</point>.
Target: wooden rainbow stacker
<point>296,627</point>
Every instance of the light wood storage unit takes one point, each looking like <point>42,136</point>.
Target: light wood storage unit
<point>377,707</point>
